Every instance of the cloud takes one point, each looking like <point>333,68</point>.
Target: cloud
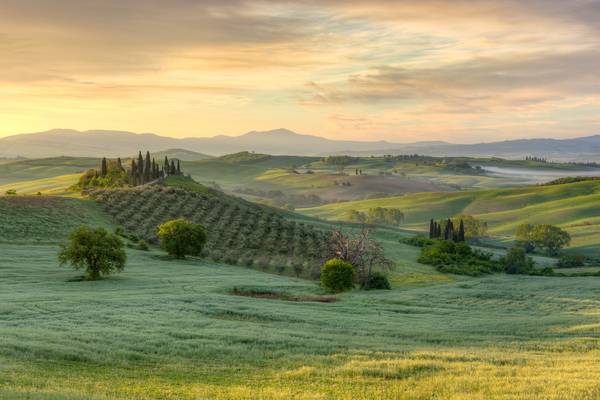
<point>412,63</point>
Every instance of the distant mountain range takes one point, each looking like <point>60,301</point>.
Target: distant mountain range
<point>95,143</point>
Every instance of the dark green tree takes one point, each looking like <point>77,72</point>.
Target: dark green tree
<point>461,231</point>
<point>103,167</point>
<point>147,168</point>
<point>140,168</point>
<point>178,168</point>
<point>517,262</point>
<point>133,174</point>
<point>166,166</point>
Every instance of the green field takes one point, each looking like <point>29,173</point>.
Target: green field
<point>575,207</point>
<point>34,169</point>
<point>171,330</point>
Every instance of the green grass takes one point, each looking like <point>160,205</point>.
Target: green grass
<point>167,329</point>
<point>57,186</point>
<point>43,219</point>
<point>34,169</point>
<point>575,207</point>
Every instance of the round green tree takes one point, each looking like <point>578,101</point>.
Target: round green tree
<point>180,238</point>
<point>337,275</point>
<point>95,250</point>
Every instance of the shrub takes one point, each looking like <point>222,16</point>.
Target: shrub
<point>417,241</point>
<point>377,281</point>
<point>298,268</point>
<point>95,250</point>
<point>517,262</point>
<point>458,258</point>
<point>142,245</point>
<point>230,258</point>
<point>571,261</point>
<point>337,275</point>
<point>180,238</point>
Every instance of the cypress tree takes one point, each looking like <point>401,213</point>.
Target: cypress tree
<point>119,163</point>
<point>140,168</point>
<point>133,173</point>
<point>103,167</point>
<point>461,231</point>
<point>166,166</point>
<point>178,168</point>
<point>431,229</point>
<point>173,168</point>
<point>147,167</point>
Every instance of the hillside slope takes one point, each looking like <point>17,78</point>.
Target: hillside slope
<point>575,207</point>
<point>43,219</point>
<point>41,168</point>
<point>239,232</point>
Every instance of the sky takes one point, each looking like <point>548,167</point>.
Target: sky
<point>403,71</point>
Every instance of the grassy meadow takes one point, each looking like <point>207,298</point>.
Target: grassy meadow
<point>173,330</point>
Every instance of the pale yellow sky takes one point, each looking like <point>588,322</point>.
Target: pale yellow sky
<point>462,71</point>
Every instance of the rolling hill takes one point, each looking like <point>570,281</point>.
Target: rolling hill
<point>575,207</point>
<point>32,169</point>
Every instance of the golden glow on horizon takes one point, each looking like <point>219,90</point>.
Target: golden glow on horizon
<point>462,71</point>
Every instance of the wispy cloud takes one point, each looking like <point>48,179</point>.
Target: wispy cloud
<point>367,69</point>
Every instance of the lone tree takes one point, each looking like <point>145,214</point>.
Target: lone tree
<point>95,250</point>
<point>180,238</point>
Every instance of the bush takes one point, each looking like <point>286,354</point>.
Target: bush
<point>95,250</point>
<point>571,261</point>
<point>377,281</point>
<point>142,245</point>
<point>517,262</point>
<point>337,275</point>
<point>417,241</point>
<point>458,258</point>
<point>180,238</point>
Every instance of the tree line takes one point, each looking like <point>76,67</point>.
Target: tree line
<point>112,173</point>
<point>447,231</point>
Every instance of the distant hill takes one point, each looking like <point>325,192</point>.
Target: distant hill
<point>181,154</point>
<point>27,170</point>
<point>577,149</point>
<point>93,143</point>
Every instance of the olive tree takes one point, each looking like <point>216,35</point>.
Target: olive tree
<point>95,250</point>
